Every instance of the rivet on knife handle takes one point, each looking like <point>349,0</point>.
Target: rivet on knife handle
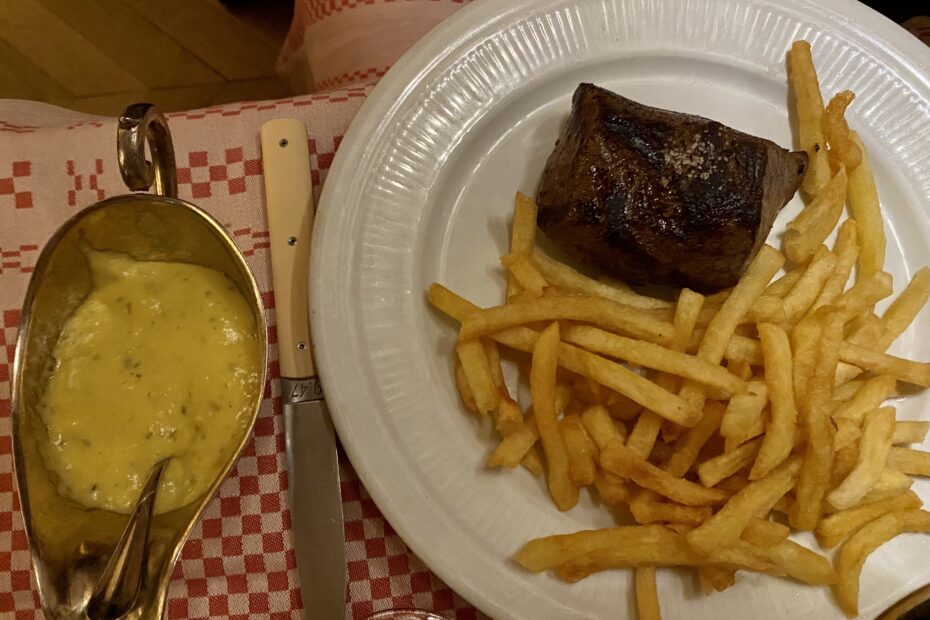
<point>289,192</point>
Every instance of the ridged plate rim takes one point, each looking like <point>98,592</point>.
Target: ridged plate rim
<point>341,284</point>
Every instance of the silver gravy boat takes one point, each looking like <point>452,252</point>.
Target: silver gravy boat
<point>91,563</point>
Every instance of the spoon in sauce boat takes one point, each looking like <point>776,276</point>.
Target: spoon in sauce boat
<point>119,584</point>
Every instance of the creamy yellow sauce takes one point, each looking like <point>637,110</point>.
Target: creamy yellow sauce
<point>161,360</point>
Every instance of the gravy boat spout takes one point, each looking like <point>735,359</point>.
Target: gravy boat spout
<point>71,544</point>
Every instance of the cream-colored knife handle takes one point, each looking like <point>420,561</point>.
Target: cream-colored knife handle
<point>289,192</point>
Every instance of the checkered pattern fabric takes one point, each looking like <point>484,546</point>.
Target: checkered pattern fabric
<point>239,561</point>
<point>337,43</point>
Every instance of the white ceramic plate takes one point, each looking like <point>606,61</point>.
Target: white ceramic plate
<point>422,189</point>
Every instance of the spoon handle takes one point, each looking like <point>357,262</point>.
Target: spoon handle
<point>119,584</point>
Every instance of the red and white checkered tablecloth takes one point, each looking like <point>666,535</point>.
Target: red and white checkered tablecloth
<point>239,562</point>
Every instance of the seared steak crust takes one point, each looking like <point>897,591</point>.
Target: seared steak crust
<point>658,197</point>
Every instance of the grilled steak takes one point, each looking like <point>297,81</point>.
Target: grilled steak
<point>658,197</point>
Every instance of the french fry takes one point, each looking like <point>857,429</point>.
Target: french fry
<point>523,233</point>
<point>612,489</point>
<point>903,310</point>
<point>514,447</point>
<point>741,369</point>
<point>712,471</point>
<point>548,552</point>
<point>581,451</point>
<point>716,578</point>
<point>626,409</point>
<point>836,527</point>
<point>809,106</point>
<point>727,524</point>
<point>650,355</point>
<point>865,209</point>
<point>461,384</point>
<point>533,462</point>
<point>874,444</point>
<point>806,232</point>
<point>872,394</point>
<point>804,339</point>
<point>743,418</point>
<point>865,293</point>
<point>909,461</point>
<point>734,484</point>
<point>613,399</point>
<point>844,462</point>
<point>743,349</point>
<point>847,435</point>
<point>783,505</point>
<point>779,438</point>
<point>916,373</point>
<point>844,393</point>
<point>783,285</point>
<point>477,370</point>
<point>890,484</point>
<point>647,596</point>
<point>722,326</point>
<point>525,274</point>
<point>628,383</point>
<point>618,459</point>
<point>909,432</point>
<point>843,151</point>
<point>767,308</point>
<point>450,304</point>
<point>494,365</point>
<point>601,427</point>
<point>587,391</point>
<point>609,374</point>
<point>563,396</point>
<point>599,392</point>
<point>720,329</point>
<point>562,275</point>
<point>805,292</point>
<point>643,436</point>
<point>671,551</point>
<point>597,310</point>
<point>646,509</point>
<point>861,544</point>
<point>661,452</point>
<point>865,330</point>
<point>508,416</point>
<point>765,533</point>
<point>814,477</point>
<point>614,282</point>
<point>525,297</point>
<point>542,387</point>
<point>800,563</point>
<point>689,445</point>
<point>605,372</point>
<point>846,250</point>
<point>678,528</point>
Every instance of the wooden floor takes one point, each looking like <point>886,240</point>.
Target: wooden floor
<point>98,56</point>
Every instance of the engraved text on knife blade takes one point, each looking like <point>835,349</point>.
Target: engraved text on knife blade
<point>301,390</point>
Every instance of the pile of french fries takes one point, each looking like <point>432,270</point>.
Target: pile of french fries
<point>720,423</point>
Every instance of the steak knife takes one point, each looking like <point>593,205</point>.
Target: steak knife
<point>312,463</point>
